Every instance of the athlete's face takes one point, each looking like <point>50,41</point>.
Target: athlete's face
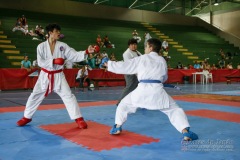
<point>55,34</point>
<point>133,47</point>
<point>148,49</point>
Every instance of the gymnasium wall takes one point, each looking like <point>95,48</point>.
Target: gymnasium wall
<point>73,8</point>
<point>226,21</point>
<point>225,24</point>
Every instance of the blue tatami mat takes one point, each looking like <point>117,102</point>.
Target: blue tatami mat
<point>218,140</point>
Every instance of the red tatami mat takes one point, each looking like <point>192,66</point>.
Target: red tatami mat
<point>57,106</point>
<point>208,101</point>
<point>218,115</point>
<point>97,136</point>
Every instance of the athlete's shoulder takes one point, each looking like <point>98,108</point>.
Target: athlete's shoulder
<point>62,43</point>
<point>42,44</point>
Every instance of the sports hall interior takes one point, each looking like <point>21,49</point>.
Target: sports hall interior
<point>195,29</point>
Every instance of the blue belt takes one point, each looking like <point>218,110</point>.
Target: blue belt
<point>149,81</point>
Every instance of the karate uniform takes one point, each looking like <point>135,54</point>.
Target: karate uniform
<point>151,96</point>
<point>60,86</point>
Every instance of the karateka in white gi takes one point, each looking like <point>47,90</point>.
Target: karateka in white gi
<point>151,70</point>
<point>51,55</point>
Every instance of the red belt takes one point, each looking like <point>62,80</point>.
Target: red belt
<point>51,79</point>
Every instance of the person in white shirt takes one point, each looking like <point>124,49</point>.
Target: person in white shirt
<point>131,80</point>
<point>82,76</point>
<point>165,45</point>
<point>151,70</point>
<point>104,53</point>
<point>147,37</point>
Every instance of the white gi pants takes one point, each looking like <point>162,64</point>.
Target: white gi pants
<point>65,93</point>
<point>175,114</point>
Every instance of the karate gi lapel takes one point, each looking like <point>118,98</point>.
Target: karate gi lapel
<point>48,50</point>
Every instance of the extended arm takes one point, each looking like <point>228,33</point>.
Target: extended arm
<point>75,56</point>
<point>128,67</point>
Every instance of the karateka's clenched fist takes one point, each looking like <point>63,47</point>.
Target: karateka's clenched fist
<point>59,61</point>
<point>90,49</point>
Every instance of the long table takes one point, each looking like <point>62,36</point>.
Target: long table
<point>19,78</point>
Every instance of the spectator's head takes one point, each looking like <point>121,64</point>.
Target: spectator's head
<point>53,30</point>
<point>83,67</point>
<point>153,45</point>
<point>90,55</point>
<point>25,58</point>
<point>132,44</point>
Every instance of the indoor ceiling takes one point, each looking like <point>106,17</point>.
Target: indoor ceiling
<point>185,7</point>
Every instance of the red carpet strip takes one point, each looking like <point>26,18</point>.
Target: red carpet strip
<point>218,115</point>
<point>208,101</point>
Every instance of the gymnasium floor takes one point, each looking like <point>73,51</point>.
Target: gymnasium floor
<point>213,111</point>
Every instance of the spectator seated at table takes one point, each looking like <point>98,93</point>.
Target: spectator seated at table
<point>82,77</point>
<point>179,65</point>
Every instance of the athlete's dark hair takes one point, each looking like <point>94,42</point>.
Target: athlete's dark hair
<point>51,27</point>
<point>132,41</point>
<point>155,44</point>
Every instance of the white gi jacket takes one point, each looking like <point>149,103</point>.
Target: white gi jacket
<point>147,67</point>
<point>45,60</point>
<point>129,54</point>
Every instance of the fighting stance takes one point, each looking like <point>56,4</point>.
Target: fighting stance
<point>51,55</point>
<point>151,70</point>
<point>131,80</point>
